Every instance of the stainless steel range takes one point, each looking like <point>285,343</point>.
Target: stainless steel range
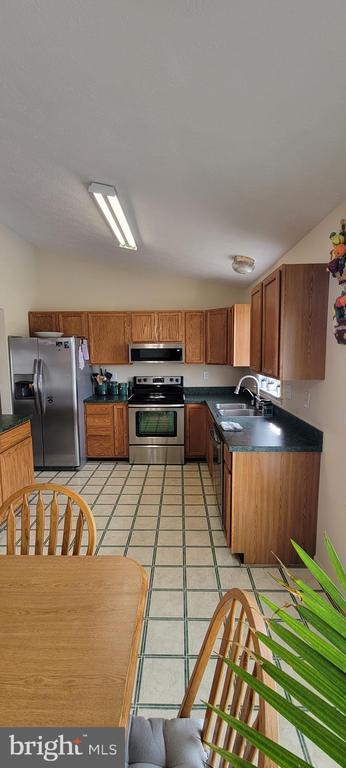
<point>156,420</point>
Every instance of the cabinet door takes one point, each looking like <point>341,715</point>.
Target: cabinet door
<point>194,337</point>
<point>170,326</point>
<point>227,502</point>
<point>304,312</point>
<point>239,335</point>
<point>43,321</point>
<point>256,329</point>
<point>99,429</point>
<point>121,432</point>
<point>143,326</point>
<point>195,430</point>
<point>74,324</point>
<point>108,338</point>
<point>271,324</point>
<point>216,336</point>
<point>16,467</point>
<point>210,444</point>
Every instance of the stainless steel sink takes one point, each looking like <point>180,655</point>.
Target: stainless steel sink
<point>231,406</point>
<point>231,413</point>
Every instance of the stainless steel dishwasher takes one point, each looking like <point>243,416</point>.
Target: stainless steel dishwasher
<point>218,469</point>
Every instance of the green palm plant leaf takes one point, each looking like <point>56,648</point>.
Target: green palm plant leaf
<point>315,651</point>
<point>331,744</point>
<point>322,627</point>
<point>317,661</point>
<point>331,717</point>
<point>314,677</point>
<point>326,650</point>
<point>281,756</point>
<point>323,609</point>
<point>322,577</point>
<point>336,562</point>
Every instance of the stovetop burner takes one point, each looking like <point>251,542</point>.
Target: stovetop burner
<point>158,389</point>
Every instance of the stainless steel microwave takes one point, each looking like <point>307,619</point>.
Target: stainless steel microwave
<point>156,353</point>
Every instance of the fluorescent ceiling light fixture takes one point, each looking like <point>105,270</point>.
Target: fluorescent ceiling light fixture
<point>108,201</point>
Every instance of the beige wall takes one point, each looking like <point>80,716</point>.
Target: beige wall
<point>327,409</point>
<point>18,285</point>
<point>77,282</point>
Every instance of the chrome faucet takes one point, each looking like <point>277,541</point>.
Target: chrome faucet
<point>256,396</point>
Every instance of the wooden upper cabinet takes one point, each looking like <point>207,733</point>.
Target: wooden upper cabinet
<point>304,312</point>
<point>256,329</point>
<point>271,324</point>
<point>74,324</point>
<point>239,335</point>
<point>143,326</point>
<point>170,326</point>
<point>195,430</point>
<point>194,337</point>
<point>216,347</point>
<point>43,321</point>
<point>108,337</point>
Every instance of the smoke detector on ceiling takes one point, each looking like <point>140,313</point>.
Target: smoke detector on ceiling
<point>243,264</point>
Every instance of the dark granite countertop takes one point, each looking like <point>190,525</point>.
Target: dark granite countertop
<point>102,399</point>
<point>280,432</point>
<point>11,421</point>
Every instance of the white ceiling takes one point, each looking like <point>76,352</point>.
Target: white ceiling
<point>222,124</point>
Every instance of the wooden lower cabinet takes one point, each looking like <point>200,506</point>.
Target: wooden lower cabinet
<point>274,499</point>
<point>106,430</point>
<point>16,460</point>
<point>210,444</point>
<point>227,493</point>
<point>195,430</point>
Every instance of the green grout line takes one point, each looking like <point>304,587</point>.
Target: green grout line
<point>185,606</point>
<point>148,601</point>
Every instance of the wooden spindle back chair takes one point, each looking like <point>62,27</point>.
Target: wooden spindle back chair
<point>235,620</point>
<point>20,502</point>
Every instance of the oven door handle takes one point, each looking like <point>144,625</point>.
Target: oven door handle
<point>161,407</point>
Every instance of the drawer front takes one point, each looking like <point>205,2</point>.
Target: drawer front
<point>101,445</point>
<point>98,425</point>
<point>99,420</point>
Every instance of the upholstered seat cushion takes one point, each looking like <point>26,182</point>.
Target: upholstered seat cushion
<point>158,743</point>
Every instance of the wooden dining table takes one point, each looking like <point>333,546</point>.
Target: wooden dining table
<point>70,629</point>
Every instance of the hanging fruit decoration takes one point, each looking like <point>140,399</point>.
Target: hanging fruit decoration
<point>337,267</point>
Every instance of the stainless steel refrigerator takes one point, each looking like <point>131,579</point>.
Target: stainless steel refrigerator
<point>49,384</point>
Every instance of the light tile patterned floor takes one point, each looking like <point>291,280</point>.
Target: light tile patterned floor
<point>167,519</point>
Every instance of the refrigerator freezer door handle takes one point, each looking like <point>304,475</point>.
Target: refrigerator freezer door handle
<point>40,387</point>
<point>35,387</point>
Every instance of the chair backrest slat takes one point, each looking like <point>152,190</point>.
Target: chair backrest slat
<point>25,527</point>
<point>11,532</point>
<point>40,520</point>
<point>67,528</point>
<point>53,528</point>
<point>18,502</point>
<point>79,534</point>
<point>238,617</point>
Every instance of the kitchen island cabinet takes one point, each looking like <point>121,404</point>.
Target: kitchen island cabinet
<point>16,455</point>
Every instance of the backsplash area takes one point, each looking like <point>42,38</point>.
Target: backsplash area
<point>194,375</point>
